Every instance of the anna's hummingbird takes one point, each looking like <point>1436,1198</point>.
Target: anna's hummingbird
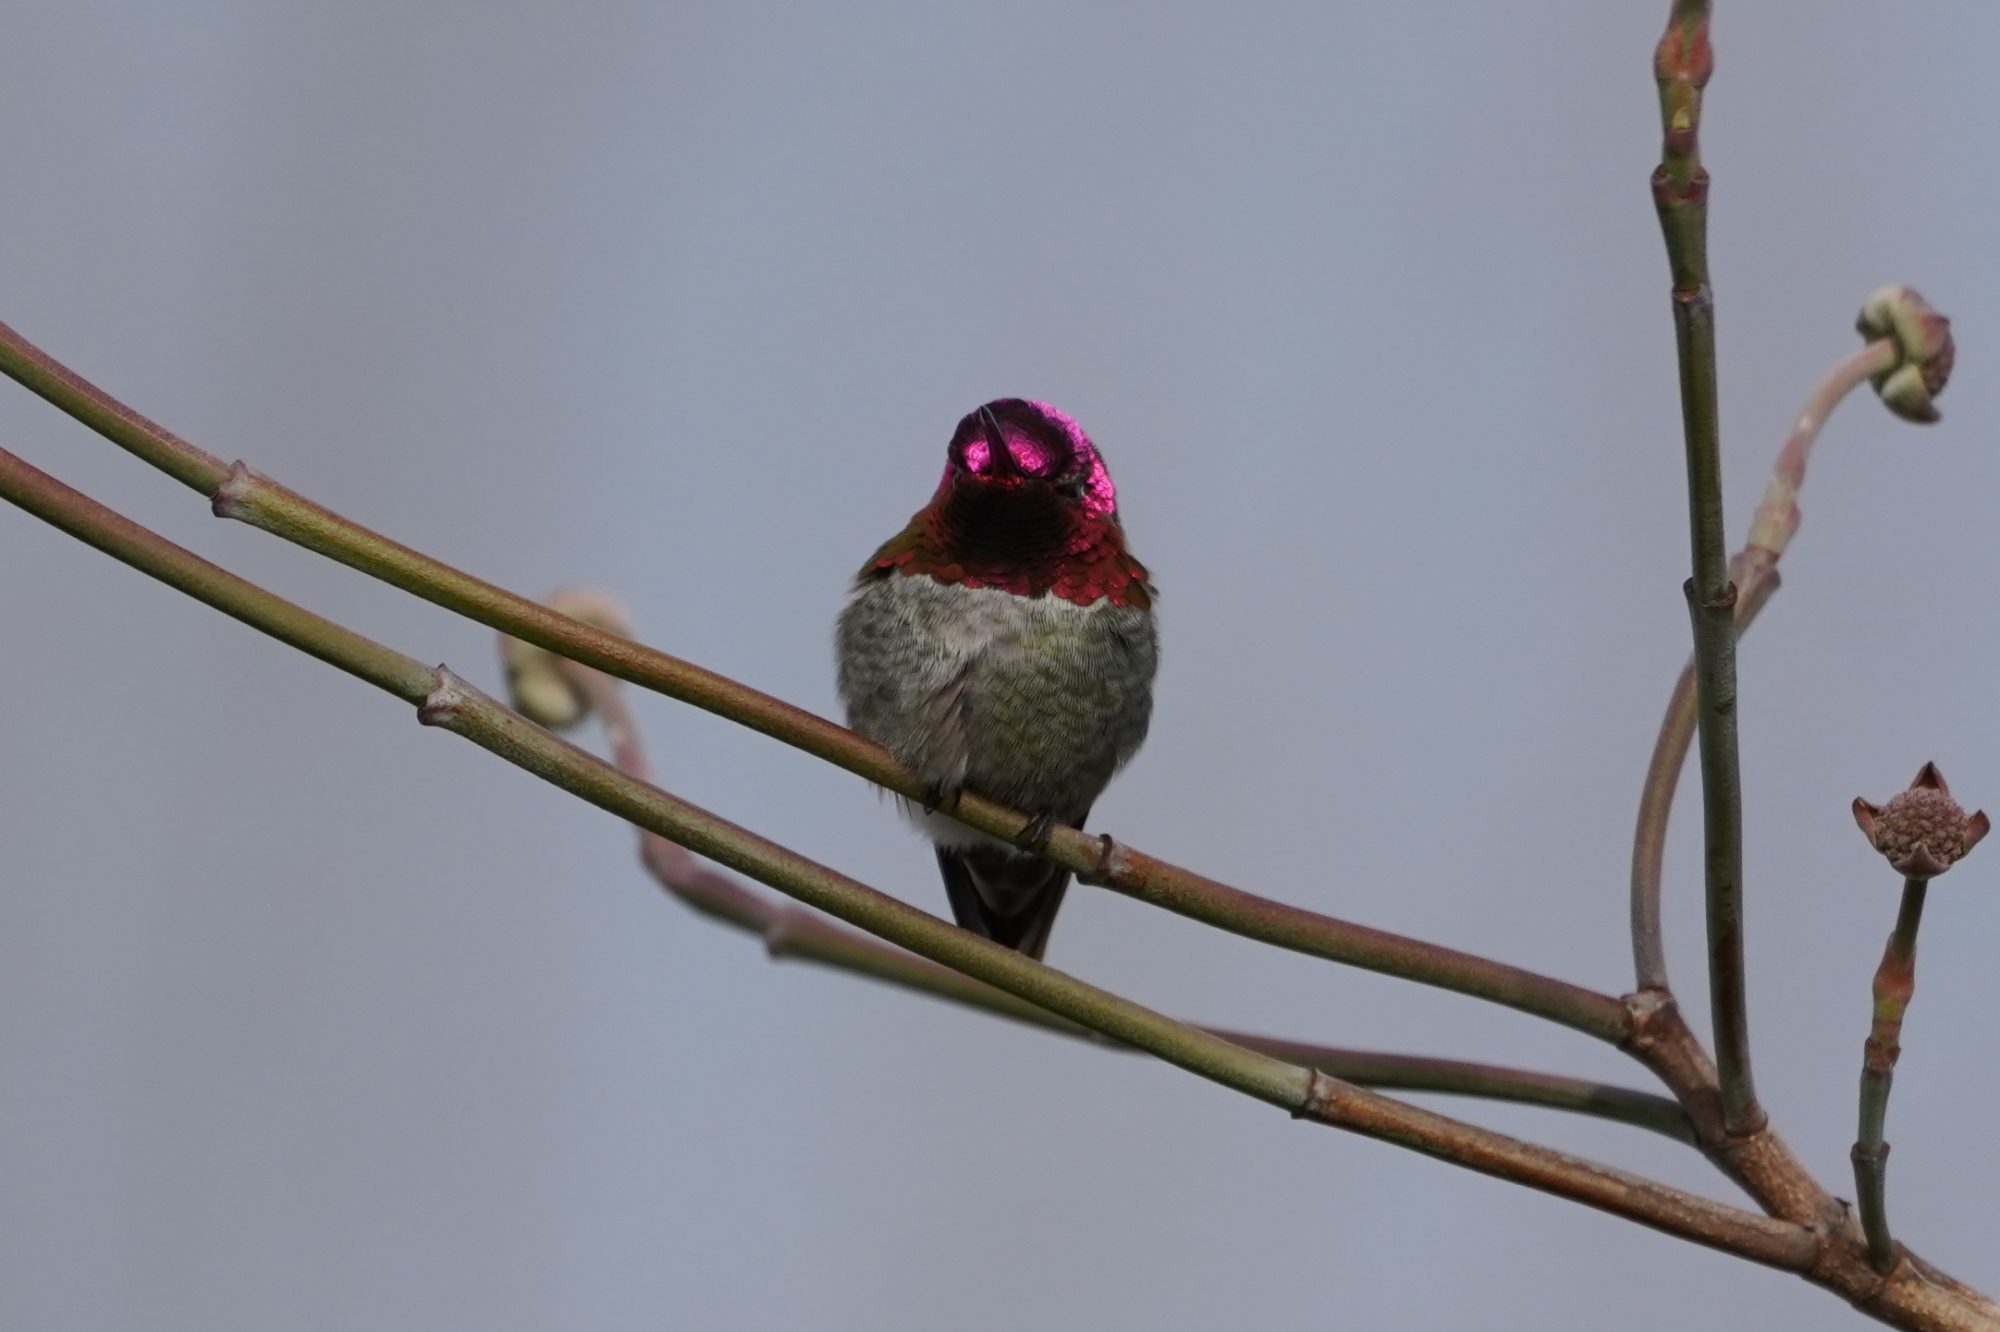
<point>1003,644</point>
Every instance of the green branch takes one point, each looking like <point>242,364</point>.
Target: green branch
<point>1895,983</point>
<point>1656,800</point>
<point>238,492</point>
<point>790,932</point>
<point>447,702</point>
<point>1771,530</point>
<point>1922,832</point>
<point>1682,64</point>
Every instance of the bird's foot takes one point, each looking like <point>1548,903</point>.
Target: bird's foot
<point>1034,839</point>
<point>940,795</point>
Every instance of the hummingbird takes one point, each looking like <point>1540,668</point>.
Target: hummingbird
<point>1003,643</point>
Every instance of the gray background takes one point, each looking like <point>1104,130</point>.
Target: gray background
<point>311,1018</point>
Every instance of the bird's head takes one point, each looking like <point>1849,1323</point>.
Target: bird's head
<point>1026,506</point>
<point>1012,454</point>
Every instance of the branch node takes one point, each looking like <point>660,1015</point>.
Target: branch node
<point>1642,1010</point>
<point>1111,863</point>
<point>1877,1280</point>
<point>446,701</point>
<point>1698,301</point>
<point>230,499</point>
<point>1724,600</point>
<point>1321,1093</point>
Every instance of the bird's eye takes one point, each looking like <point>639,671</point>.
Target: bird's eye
<point>1072,487</point>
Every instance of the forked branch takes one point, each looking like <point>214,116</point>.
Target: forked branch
<point>1823,1252</point>
<point>1755,570</point>
<point>1807,1231</point>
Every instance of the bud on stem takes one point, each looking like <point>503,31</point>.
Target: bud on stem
<point>1923,339</point>
<point>537,685</point>
<point>1922,832</point>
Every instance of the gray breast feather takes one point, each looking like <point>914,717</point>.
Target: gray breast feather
<point>1034,701</point>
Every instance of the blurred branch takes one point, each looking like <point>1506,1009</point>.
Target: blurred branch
<point>1756,573</point>
<point>452,704</point>
<point>238,492</point>
<point>792,932</point>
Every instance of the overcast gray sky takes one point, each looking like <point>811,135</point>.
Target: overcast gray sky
<point>310,1018</point>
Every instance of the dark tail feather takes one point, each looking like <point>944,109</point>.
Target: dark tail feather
<point>1010,898</point>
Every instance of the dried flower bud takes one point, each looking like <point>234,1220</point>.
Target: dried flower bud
<point>1922,831</point>
<point>536,683</point>
<point>1923,339</point>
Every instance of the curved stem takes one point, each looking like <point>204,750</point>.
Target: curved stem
<point>1756,569</point>
<point>1776,520</point>
<point>238,492</point>
<point>1656,801</point>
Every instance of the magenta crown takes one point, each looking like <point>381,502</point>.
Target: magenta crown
<point>1042,442</point>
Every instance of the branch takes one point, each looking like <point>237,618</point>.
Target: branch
<point>451,704</point>
<point>238,492</point>
<point>1895,982</point>
<point>1756,570</point>
<point>1808,1235</point>
<point>563,693</point>
<point>1915,1295</point>
<point>1922,832</point>
<point>1682,65</point>
<point>1656,802</point>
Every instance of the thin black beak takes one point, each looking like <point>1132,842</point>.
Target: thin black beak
<point>1001,457</point>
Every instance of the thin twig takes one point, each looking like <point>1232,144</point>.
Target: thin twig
<point>1682,64</point>
<point>1491,1082</point>
<point>1756,572</point>
<point>1776,520</point>
<point>452,704</point>
<point>238,492</point>
<point>1895,982</point>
